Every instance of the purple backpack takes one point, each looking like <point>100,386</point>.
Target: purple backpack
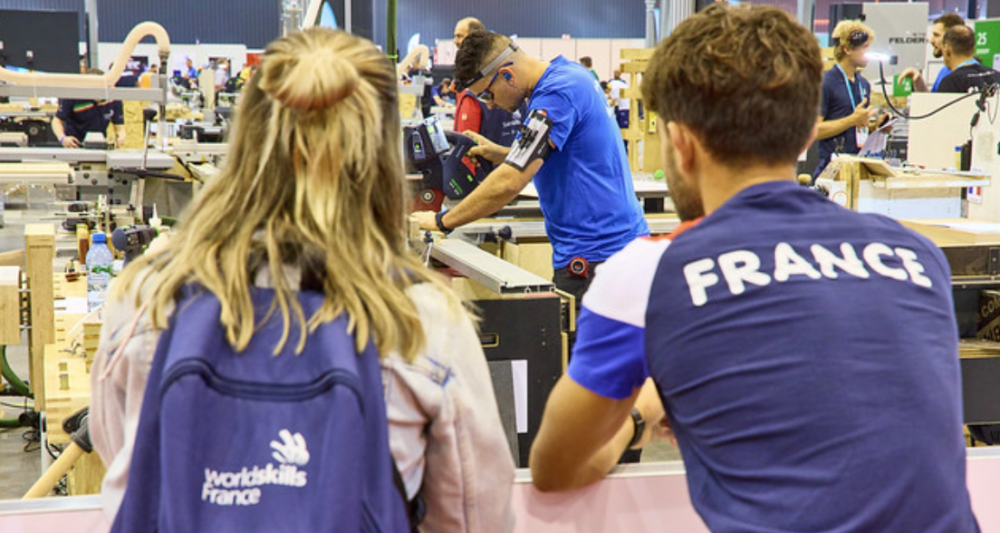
<point>256,442</point>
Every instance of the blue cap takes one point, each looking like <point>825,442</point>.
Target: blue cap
<point>100,238</point>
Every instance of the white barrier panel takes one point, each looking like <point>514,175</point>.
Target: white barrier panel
<point>637,499</point>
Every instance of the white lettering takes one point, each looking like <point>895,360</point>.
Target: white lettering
<point>787,263</point>
<point>873,256</point>
<point>913,267</point>
<point>740,267</point>
<point>829,262</point>
<point>699,278</point>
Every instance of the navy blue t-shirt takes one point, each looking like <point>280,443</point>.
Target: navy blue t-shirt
<point>807,356</point>
<point>80,117</point>
<point>585,186</point>
<point>837,103</point>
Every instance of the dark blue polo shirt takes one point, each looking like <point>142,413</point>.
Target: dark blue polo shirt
<point>837,104</point>
<point>82,116</point>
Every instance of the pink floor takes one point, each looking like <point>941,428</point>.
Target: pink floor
<point>635,504</point>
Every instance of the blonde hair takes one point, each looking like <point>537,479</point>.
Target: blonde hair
<point>313,178</point>
<point>843,32</point>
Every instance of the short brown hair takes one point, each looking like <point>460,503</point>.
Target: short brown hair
<point>746,80</point>
<point>477,50</point>
<point>961,39</point>
<point>949,20</point>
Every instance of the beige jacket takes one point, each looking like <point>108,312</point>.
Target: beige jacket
<point>444,426</point>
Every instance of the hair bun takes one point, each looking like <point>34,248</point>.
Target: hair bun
<point>310,81</point>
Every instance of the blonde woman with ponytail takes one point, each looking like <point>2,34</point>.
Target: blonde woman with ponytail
<point>312,197</point>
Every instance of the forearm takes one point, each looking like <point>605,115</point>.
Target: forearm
<point>832,128</point>
<point>495,192</point>
<point>605,458</point>
<point>57,128</point>
<point>920,85</point>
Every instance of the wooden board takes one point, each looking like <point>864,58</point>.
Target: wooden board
<point>955,231</point>
<point>10,305</point>
<point>40,242</point>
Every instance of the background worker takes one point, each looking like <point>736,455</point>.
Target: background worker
<point>76,118</point>
<point>940,26</point>
<point>845,115</point>
<point>958,45</point>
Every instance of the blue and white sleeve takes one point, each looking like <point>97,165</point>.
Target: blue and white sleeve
<point>609,358</point>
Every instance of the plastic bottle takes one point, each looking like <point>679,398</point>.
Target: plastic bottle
<point>99,261</point>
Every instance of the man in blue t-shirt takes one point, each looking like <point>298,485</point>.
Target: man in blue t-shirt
<point>941,25</point>
<point>844,112</point>
<point>806,356</point>
<point>569,144</point>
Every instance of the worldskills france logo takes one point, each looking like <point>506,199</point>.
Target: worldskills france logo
<point>244,488</point>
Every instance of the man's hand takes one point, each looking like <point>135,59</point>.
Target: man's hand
<point>120,139</point>
<point>919,84</point>
<point>487,149</point>
<point>70,141</point>
<point>426,219</point>
<point>863,114</point>
<point>912,74</point>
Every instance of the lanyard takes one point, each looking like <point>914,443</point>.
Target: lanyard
<point>850,93</point>
<point>969,62</point>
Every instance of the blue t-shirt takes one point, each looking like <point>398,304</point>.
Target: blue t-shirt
<point>585,186</point>
<point>837,103</point>
<point>807,357</point>
<point>945,71</point>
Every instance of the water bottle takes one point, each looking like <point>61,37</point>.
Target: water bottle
<point>99,261</point>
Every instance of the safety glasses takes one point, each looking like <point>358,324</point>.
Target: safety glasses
<point>486,96</point>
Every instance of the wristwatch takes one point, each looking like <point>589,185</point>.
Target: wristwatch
<point>639,424</point>
<point>439,220</point>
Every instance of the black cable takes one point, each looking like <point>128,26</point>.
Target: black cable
<point>888,101</point>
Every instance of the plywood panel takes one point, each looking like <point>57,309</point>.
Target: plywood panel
<point>10,309</point>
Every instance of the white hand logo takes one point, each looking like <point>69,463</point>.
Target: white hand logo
<point>292,451</point>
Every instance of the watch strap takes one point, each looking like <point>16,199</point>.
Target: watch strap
<point>639,425</point>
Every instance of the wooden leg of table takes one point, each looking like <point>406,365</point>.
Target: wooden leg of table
<point>54,473</point>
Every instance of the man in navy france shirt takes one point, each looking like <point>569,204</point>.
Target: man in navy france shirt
<point>844,111</point>
<point>806,355</point>
<point>569,144</point>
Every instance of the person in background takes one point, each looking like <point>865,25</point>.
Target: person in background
<point>622,104</point>
<point>845,112</point>
<point>443,94</point>
<point>939,27</point>
<point>586,61</point>
<point>190,73</point>
<point>806,355</point>
<point>321,163</point>
<point>221,74</point>
<point>464,27</point>
<point>146,79</point>
<point>958,44</point>
<point>76,118</point>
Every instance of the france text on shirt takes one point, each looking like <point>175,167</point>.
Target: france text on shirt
<point>740,267</point>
